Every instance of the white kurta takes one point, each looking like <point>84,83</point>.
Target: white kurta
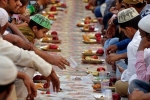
<point>131,53</point>
<point>26,61</point>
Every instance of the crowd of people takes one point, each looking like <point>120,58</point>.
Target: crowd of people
<point>126,41</point>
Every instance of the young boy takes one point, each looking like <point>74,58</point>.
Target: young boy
<point>37,27</point>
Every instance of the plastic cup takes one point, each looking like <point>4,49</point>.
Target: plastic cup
<point>108,94</point>
<point>72,62</point>
<point>103,75</point>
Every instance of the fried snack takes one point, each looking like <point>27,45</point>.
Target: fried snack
<point>87,58</point>
<point>96,86</point>
<point>45,39</point>
<point>88,18</point>
<point>80,24</point>
<point>88,51</point>
<point>39,85</point>
<point>86,38</point>
<point>86,27</point>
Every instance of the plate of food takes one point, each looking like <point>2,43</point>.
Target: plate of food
<point>62,5</point>
<point>92,59</point>
<point>80,24</point>
<point>87,40</point>
<point>52,12</point>
<point>51,17</point>
<point>94,73</point>
<point>89,7</point>
<point>89,28</point>
<point>50,40</point>
<point>51,48</point>
<point>41,87</point>
<point>98,87</point>
<point>89,52</point>
<point>90,19</point>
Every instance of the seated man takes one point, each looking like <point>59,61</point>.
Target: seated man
<point>142,66</point>
<point>26,61</point>
<point>9,70</point>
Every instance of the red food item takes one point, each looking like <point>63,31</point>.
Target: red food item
<point>48,92</point>
<point>63,5</point>
<point>95,57</point>
<point>57,1</point>
<point>98,39</point>
<point>55,38</point>
<point>113,79</point>
<point>51,15</point>
<point>87,6</point>
<point>53,46</point>
<point>53,8</point>
<point>37,77</point>
<point>100,69</point>
<point>92,27</point>
<point>116,96</point>
<point>54,33</point>
<point>97,35</point>
<point>110,84</point>
<point>87,22</point>
<point>100,51</point>
<point>45,85</point>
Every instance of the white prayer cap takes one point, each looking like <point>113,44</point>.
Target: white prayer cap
<point>3,17</point>
<point>8,71</point>
<point>144,24</point>
<point>127,14</point>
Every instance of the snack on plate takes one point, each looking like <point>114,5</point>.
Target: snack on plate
<point>39,86</point>
<point>45,39</point>
<point>96,86</point>
<point>88,51</point>
<point>80,25</point>
<point>86,27</point>
<point>51,16</point>
<point>52,46</point>
<point>86,38</point>
<point>88,18</point>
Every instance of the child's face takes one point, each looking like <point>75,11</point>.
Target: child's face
<point>143,34</point>
<point>41,33</point>
<point>22,9</point>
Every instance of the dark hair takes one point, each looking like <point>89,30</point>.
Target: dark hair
<point>139,5</point>
<point>120,1</point>
<point>5,87</point>
<point>131,23</point>
<point>24,2</point>
<point>33,23</point>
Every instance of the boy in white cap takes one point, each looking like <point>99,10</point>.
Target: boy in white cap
<point>141,84</point>
<point>6,80</point>
<point>26,61</point>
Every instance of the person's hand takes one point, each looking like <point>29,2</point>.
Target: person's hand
<point>102,41</point>
<point>110,31</point>
<point>55,81</point>
<point>110,59</point>
<point>145,43</point>
<point>59,61</point>
<point>136,95</point>
<point>32,91</point>
<point>113,10</point>
<point>111,49</point>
